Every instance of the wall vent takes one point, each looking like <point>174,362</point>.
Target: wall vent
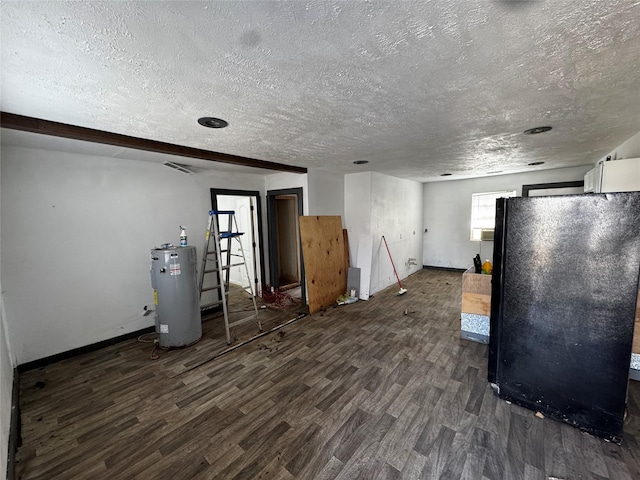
<point>179,167</point>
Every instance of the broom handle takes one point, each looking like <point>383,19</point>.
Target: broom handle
<point>394,267</point>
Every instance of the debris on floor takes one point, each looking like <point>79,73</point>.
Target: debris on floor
<point>264,346</point>
<point>345,299</point>
<point>539,415</point>
<point>271,348</point>
<point>279,299</point>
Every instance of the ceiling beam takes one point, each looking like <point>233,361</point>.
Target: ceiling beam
<point>56,129</point>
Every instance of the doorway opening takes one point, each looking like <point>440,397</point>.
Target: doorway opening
<point>286,268</point>
<point>288,247</point>
<point>248,214</point>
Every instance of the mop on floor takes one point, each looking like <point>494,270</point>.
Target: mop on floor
<point>402,290</point>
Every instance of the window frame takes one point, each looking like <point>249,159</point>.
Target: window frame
<point>478,222</point>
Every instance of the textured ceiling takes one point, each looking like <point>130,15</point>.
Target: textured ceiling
<point>415,88</point>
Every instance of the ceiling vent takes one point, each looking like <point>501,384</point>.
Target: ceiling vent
<point>179,167</point>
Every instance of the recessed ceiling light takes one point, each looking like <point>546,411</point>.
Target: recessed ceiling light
<point>360,162</point>
<point>536,130</point>
<point>212,122</point>
<point>445,174</point>
<point>535,163</point>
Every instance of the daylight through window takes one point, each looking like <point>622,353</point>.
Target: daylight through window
<point>483,211</point>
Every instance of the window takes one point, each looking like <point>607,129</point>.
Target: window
<point>483,212</point>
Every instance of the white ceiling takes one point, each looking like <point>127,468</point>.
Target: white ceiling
<point>416,88</point>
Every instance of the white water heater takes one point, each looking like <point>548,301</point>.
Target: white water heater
<point>175,291</point>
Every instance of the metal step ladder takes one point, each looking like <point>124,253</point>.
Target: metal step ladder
<point>212,263</point>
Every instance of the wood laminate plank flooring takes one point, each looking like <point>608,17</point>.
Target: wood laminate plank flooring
<point>359,391</point>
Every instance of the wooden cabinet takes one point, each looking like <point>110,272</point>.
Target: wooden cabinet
<point>476,293</point>
<point>476,306</point>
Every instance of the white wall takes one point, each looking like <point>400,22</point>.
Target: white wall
<point>76,235</point>
<point>326,193</point>
<point>377,205</point>
<point>284,180</point>
<point>447,213</point>
<point>357,213</point>
<point>629,149</point>
<point>7,363</point>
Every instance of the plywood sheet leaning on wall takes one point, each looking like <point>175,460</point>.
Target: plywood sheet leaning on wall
<point>324,265</point>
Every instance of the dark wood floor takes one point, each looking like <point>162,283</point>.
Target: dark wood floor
<point>383,389</point>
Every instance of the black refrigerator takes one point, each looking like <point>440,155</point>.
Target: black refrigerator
<point>564,291</point>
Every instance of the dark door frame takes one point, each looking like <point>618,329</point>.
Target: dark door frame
<point>274,270</point>
<point>246,193</point>
<point>543,186</point>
